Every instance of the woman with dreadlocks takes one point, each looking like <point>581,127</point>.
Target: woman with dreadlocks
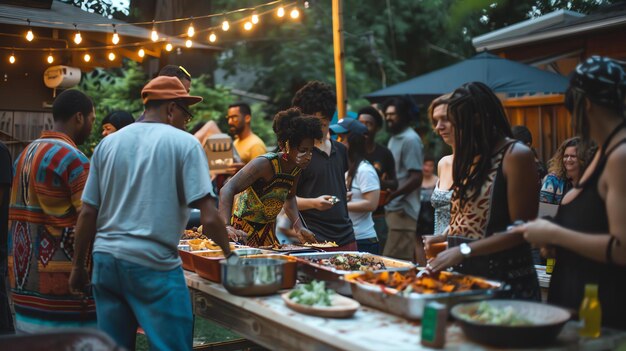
<point>589,230</point>
<point>495,182</point>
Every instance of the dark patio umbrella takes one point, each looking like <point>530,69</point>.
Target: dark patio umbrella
<point>501,75</point>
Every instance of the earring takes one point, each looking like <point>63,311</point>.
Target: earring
<point>286,151</point>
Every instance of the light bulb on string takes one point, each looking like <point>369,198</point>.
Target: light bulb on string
<point>116,38</point>
<point>212,37</point>
<point>254,19</point>
<point>188,43</point>
<point>295,13</point>
<point>29,35</point>
<point>154,35</point>
<point>77,37</point>
<point>111,56</point>
<point>168,47</point>
<point>280,12</point>
<point>247,25</point>
<point>191,31</point>
<point>87,57</point>
<point>12,58</point>
<point>307,5</point>
<point>50,58</point>
<point>141,52</point>
<point>225,26</point>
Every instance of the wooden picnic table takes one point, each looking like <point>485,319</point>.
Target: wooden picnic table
<point>268,322</point>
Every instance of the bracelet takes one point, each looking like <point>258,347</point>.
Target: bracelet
<point>609,251</point>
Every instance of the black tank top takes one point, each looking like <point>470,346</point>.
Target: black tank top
<point>587,214</point>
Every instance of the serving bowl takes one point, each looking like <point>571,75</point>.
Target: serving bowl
<point>252,276</point>
<point>546,322</point>
<point>290,272</point>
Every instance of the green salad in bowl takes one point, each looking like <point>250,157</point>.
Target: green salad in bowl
<point>312,294</point>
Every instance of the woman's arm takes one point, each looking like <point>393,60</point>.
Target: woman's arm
<point>369,203</point>
<point>291,210</point>
<point>256,169</point>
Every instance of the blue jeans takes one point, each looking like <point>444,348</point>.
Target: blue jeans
<point>129,295</point>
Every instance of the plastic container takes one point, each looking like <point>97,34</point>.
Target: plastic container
<point>590,313</point>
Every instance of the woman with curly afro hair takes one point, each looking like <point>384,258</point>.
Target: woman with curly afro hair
<point>267,184</point>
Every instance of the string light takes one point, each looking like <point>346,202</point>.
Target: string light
<point>77,37</point>
<point>188,43</point>
<point>280,12</point>
<point>169,47</point>
<point>191,30</point>
<point>154,35</point>
<point>141,52</point>
<point>254,19</point>
<point>212,37</point>
<point>12,58</point>
<point>111,56</point>
<point>307,5</point>
<point>87,57</point>
<point>50,58</point>
<point>29,36</point>
<point>294,13</point>
<point>116,38</point>
<point>225,26</point>
<point>247,25</point>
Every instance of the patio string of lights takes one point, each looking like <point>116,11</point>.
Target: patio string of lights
<point>247,24</point>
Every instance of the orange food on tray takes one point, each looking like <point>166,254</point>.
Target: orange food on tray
<point>444,282</point>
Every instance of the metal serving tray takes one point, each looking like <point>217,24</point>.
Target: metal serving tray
<point>411,305</point>
<point>308,270</point>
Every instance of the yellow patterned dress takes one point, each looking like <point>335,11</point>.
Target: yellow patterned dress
<point>257,207</point>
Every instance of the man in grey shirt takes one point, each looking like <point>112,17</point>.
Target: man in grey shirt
<point>142,182</point>
<point>403,204</point>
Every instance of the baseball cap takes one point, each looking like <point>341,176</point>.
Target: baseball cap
<point>602,79</point>
<point>348,125</point>
<point>168,88</point>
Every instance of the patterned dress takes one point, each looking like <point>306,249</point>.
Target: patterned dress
<point>45,200</point>
<point>441,203</point>
<point>480,218</point>
<point>258,206</point>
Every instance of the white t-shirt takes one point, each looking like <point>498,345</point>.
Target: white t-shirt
<point>142,180</point>
<point>365,180</point>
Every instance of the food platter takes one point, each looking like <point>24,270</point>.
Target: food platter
<point>290,248</point>
<point>309,270</point>
<point>411,304</point>
<point>342,307</point>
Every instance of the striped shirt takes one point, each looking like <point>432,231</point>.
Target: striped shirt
<point>45,201</point>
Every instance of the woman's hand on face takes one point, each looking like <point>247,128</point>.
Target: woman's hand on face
<point>539,232</point>
<point>444,260</point>
<point>306,236</point>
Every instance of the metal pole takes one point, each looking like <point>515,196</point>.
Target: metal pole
<point>340,77</point>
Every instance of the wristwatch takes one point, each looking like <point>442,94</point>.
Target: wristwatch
<point>465,249</point>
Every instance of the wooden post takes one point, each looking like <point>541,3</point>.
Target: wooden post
<point>340,77</point>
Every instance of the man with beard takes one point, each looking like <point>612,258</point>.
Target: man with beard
<point>403,204</point>
<point>50,175</point>
<point>247,144</point>
<point>137,274</point>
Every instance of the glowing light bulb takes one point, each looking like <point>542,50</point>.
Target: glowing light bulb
<point>154,35</point>
<point>78,38</point>
<point>280,12</point>
<point>141,53</point>
<point>111,56</point>
<point>87,57</point>
<point>115,39</point>
<point>191,31</point>
<point>307,5</point>
<point>212,38</point>
<point>12,59</point>
<point>30,36</point>
<point>225,26</point>
<point>50,58</point>
<point>247,26</point>
<point>294,13</point>
<point>255,19</point>
<point>188,43</point>
<point>169,47</point>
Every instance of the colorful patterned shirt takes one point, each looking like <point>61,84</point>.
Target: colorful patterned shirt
<point>45,201</point>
